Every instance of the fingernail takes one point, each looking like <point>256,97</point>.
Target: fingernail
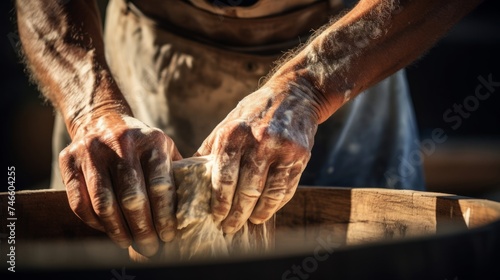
<point>124,244</point>
<point>256,221</point>
<point>167,235</point>
<point>149,248</point>
<point>229,229</point>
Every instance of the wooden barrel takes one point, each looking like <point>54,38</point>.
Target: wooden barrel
<point>323,232</point>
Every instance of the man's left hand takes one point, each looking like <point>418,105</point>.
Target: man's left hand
<point>260,151</point>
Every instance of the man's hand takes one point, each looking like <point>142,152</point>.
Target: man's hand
<point>116,170</point>
<point>118,177</point>
<point>260,150</point>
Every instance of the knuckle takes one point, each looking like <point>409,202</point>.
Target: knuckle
<point>103,207</point>
<point>220,207</point>
<point>123,139</point>
<point>141,229</point>
<point>285,138</point>
<point>65,155</point>
<point>164,209</point>
<point>257,163</point>
<point>160,187</point>
<point>235,130</point>
<point>275,194</point>
<point>221,201</point>
<point>103,202</point>
<point>155,136</point>
<point>129,177</point>
<point>77,204</point>
<point>250,193</point>
<point>279,174</point>
<point>90,142</point>
<point>225,179</point>
<point>288,141</point>
<point>133,201</point>
<point>68,156</point>
<point>165,220</point>
<point>126,137</point>
<point>117,233</point>
<point>236,217</point>
<point>156,133</point>
<point>155,161</point>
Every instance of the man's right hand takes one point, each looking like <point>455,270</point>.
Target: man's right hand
<point>117,170</point>
<point>118,178</point>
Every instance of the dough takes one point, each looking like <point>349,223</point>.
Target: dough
<point>199,236</point>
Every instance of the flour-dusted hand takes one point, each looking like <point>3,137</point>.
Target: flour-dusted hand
<point>260,151</point>
<point>118,177</point>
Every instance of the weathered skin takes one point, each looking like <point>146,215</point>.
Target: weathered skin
<point>122,169</point>
<point>117,170</point>
<point>271,134</point>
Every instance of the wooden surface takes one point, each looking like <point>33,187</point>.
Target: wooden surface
<point>353,227</point>
<point>46,215</point>
<point>352,216</point>
<point>357,216</point>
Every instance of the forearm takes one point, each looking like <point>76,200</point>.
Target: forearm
<point>63,47</point>
<point>375,39</point>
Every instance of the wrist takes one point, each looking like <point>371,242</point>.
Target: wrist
<point>296,78</point>
<point>107,100</point>
<point>290,86</point>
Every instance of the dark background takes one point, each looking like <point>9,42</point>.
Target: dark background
<point>468,163</point>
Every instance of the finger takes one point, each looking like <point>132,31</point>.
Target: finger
<point>225,171</point>
<point>76,190</point>
<point>133,198</point>
<point>294,178</point>
<point>276,186</point>
<point>104,203</point>
<point>252,174</point>
<point>161,191</point>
